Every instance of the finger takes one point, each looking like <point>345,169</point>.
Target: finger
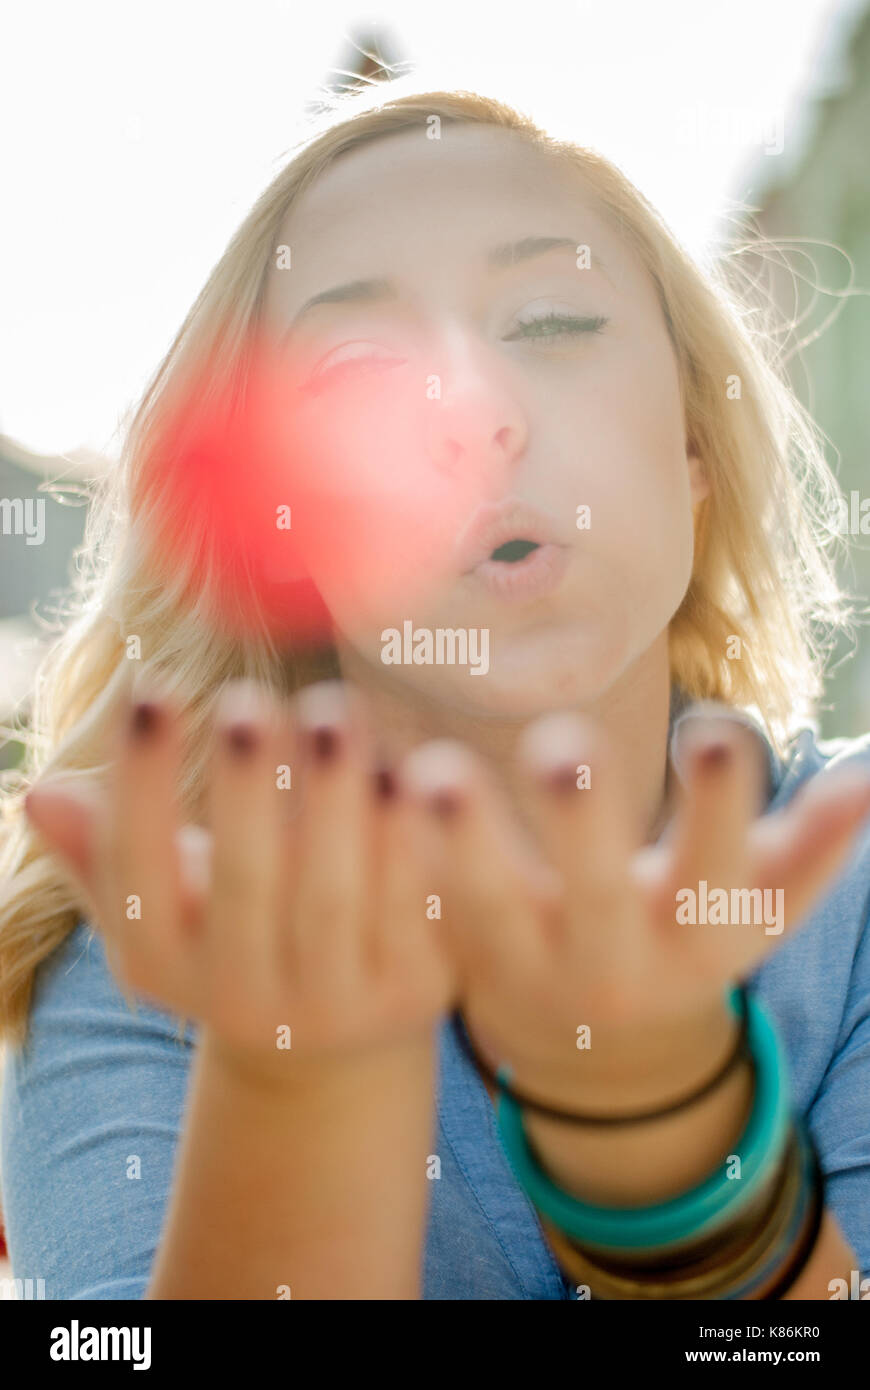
<point>139,870</point>
<point>578,800</point>
<point>245,817</point>
<point>803,846</point>
<point>331,899</point>
<point>486,872</point>
<point>720,795</point>
<point>64,814</point>
<point>195,849</point>
<point>400,926</point>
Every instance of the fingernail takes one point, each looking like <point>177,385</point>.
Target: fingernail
<point>445,803</point>
<point>324,742</point>
<point>144,719</point>
<point>562,778</point>
<point>242,738</point>
<point>556,741</point>
<point>715,755</point>
<point>386,786</point>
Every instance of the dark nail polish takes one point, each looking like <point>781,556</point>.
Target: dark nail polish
<point>242,738</point>
<point>715,755</point>
<point>445,803</point>
<point>324,743</point>
<point>144,719</point>
<point>562,779</point>
<point>386,786</point>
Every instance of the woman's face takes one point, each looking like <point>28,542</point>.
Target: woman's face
<point>474,377</point>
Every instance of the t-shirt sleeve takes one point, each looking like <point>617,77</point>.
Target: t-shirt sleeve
<point>840,1115</point>
<point>92,1110</point>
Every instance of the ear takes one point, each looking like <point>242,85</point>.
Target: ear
<point>699,483</point>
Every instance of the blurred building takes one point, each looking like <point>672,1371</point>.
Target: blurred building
<point>42,517</point>
<point>823,195</point>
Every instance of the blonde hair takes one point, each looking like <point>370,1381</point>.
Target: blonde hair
<point>761,572</point>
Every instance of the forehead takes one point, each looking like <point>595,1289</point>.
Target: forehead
<point>404,205</point>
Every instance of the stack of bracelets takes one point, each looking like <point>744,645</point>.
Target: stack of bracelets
<point>745,1237</point>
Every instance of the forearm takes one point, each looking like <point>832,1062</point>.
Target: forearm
<point>317,1183</point>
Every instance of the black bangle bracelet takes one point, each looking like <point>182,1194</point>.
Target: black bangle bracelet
<point>739,1050</point>
<point>807,1244</point>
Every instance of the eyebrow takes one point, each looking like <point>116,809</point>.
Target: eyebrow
<point>508,253</point>
<point>511,252</point>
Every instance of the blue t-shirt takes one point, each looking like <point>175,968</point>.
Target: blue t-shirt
<point>97,1085</point>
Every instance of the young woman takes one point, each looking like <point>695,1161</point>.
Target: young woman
<point>462,1012</point>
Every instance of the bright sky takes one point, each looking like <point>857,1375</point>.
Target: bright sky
<point>138,135</point>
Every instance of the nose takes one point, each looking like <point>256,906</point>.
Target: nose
<point>477,425</point>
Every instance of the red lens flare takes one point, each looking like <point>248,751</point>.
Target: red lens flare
<point>278,497</point>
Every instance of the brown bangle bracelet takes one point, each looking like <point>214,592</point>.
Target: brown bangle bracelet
<point>807,1244</point>
<point>540,1107</point>
<point>738,1260</point>
<point>741,1253</point>
<point>699,1255</point>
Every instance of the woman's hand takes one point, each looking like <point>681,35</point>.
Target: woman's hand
<point>583,930</point>
<point>297,918</point>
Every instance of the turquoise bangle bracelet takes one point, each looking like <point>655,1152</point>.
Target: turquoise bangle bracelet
<point>694,1213</point>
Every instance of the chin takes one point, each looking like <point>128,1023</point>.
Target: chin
<point>534,675</point>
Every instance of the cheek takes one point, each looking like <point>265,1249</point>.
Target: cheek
<point>379,515</point>
<point>630,463</point>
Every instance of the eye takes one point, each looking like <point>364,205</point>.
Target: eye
<point>552,325</point>
<point>351,359</point>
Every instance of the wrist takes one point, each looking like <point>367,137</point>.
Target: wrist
<point>344,1073</point>
<point>632,1068</point>
<point>651,1160</point>
<point>646,1162</point>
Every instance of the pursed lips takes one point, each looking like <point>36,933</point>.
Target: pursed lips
<point>506,532</point>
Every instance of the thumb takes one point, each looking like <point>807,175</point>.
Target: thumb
<point>67,820</point>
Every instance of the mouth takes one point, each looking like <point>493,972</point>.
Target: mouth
<point>514,551</point>
<point>505,533</point>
